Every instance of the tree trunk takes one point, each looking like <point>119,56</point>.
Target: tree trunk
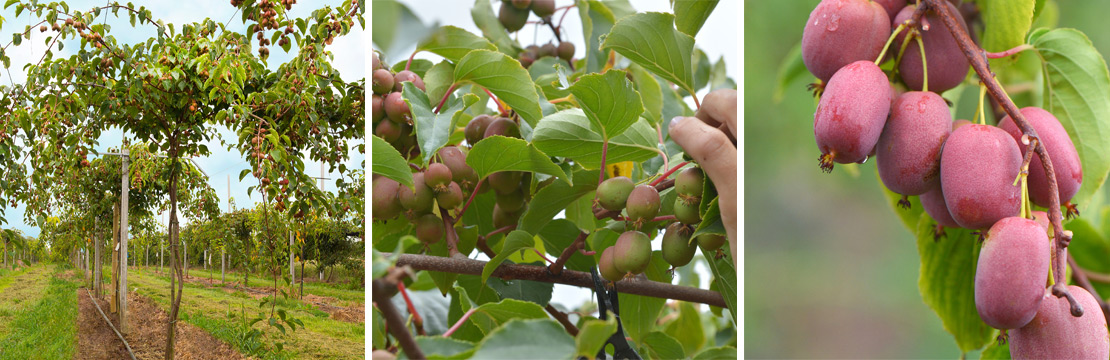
<point>178,278</point>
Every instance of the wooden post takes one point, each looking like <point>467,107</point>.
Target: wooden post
<point>222,265</point>
<point>97,264</point>
<point>114,289</point>
<point>125,177</point>
<point>292,274</point>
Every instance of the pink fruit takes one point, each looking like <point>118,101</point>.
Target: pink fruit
<point>1065,159</point>
<point>1011,273</point>
<point>977,170</point>
<point>840,32</point>
<point>908,154</point>
<point>947,64</point>
<point>851,114</point>
<point>933,202</point>
<point>1055,334</point>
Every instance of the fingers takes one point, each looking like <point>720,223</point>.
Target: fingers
<point>711,149</point>
<point>719,107</point>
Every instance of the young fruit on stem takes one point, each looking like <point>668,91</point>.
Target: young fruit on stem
<point>511,18</point>
<point>376,110</point>
<point>1055,334</point>
<point>502,218</point>
<point>385,204</point>
<point>613,193</point>
<point>933,203</point>
<point>688,184</point>
<point>908,152</point>
<point>406,75</point>
<point>607,267</point>
<point>1065,159</point>
<point>642,204</point>
<point>840,32</point>
<point>566,50</point>
<point>851,114</point>
<point>686,213</point>
<point>476,128</point>
<point>383,81</point>
<point>455,159</point>
<point>397,109</point>
<point>451,198</point>
<point>505,182</point>
<point>977,170</point>
<point>437,176</point>
<point>511,202</point>
<point>522,4</point>
<point>677,248</point>
<point>1011,273</point>
<point>429,229</point>
<point>632,252</point>
<point>947,64</point>
<point>388,131</point>
<point>419,200</point>
<point>543,8</point>
<point>503,127</point>
<point>711,241</point>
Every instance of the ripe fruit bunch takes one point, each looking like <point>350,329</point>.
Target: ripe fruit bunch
<point>966,174</point>
<point>514,13</point>
<point>391,116</point>
<point>565,51</point>
<point>632,252</point>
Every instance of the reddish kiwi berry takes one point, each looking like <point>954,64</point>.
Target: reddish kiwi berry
<point>397,109</point>
<point>511,18</point>
<point>511,202</point>
<point>455,160</point>
<point>606,265</point>
<point>526,60</point>
<point>686,213</point>
<point>677,248</point>
<point>908,152</point>
<point>419,200</point>
<point>388,131</point>
<point>543,8</point>
<point>978,166</point>
<point>643,204</point>
<point>548,50</point>
<point>1011,273</point>
<point>451,198</point>
<point>406,75</point>
<point>933,202</point>
<point>522,4</point>
<point>851,114</point>
<point>1041,218</point>
<point>429,228</point>
<point>840,32</point>
<point>503,127</point>
<point>711,241</point>
<point>385,204</point>
<point>1065,159</point>
<point>947,65</point>
<point>613,192</point>
<point>892,7</point>
<point>566,50</point>
<point>1054,333</point>
<point>502,218</point>
<point>383,81</point>
<point>476,128</point>
<point>505,182</point>
<point>376,112</point>
<point>377,63</point>
<point>632,252</point>
<point>689,185</point>
<point>437,176</point>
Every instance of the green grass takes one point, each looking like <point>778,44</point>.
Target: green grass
<point>20,290</point>
<point>47,330</point>
<point>335,290</point>
<point>223,314</point>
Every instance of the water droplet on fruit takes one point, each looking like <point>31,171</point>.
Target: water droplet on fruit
<point>864,161</point>
<point>834,23</point>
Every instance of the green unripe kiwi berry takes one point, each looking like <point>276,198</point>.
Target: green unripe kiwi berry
<point>429,228</point>
<point>711,241</point>
<point>505,182</point>
<point>451,198</point>
<point>385,204</point>
<point>643,204</point>
<point>522,4</point>
<point>502,218</point>
<point>677,248</point>
<point>632,252</point>
<point>503,127</point>
<point>388,131</point>
<point>437,176</point>
<point>607,267</point>
<point>613,193</point>
<point>543,8</point>
<point>689,182</point>
<point>476,128</point>
<point>511,202</point>
<point>566,50</point>
<point>511,18</point>
<point>419,200</point>
<point>549,50</point>
<point>376,107</point>
<point>686,213</point>
<point>383,81</point>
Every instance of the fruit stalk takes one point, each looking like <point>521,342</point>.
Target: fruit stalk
<point>563,319</point>
<point>668,173</point>
<point>1081,278</point>
<point>393,320</point>
<point>635,286</point>
<point>978,59</point>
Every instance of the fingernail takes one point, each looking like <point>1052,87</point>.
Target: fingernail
<point>675,120</point>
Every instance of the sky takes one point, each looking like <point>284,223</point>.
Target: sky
<point>348,58</point>
<point>718,38</point>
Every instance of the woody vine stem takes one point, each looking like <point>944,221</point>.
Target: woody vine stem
<point>978,59</point>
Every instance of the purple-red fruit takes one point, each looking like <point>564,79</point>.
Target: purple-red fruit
<point>376,110</point>
<point>607,267</point>
<point>892,7</point>
<point>377,63</point>
<point>1055,334</point>
<point>908,152</point>
<point>977,170</point>
<point>677,248</point>
<point>419,200</point>
<point>397,109</point>
<point>632,252</point>
<point>1011,273</point>
<point>451,198</point>
<point>406,75</point>
<point>511,18</point>
<point>543,8</point>
<point>429,229</point>
<point>437,176</point>
<point>388,131</point>
<point>840,32</point>
<point>385,203</point>
<point>613,192</point>
<point>947,64</point>
<point>933,202</point>
<point>503,127</point>
<point>548,50</point>
<point>566,50</point>
<point>476,129</point>
<point>1065,159</point>
<point>851,114</point>
<point>643,204</point>
<point>383,81</point>
<point>1041,218</point>
<point>455,159</point>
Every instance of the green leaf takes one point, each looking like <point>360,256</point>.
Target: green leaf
<point>418,66</point>
<point>485,19</point>
<point>717,353</point>
<point>593,335</point>
<point>526,339</point>
<point>996,352</point>
<point>909,216</point>
<point>389,163</point>
<point>552,199</point>
<point>791,70</point>
<point>1090,249</point>
<point>378,332</point>
<point>711,220</point>
<point>639,313</point>
<point>499,153</point>
<point>515,241</point>
<point>523,290</point>
<point>490,316</point>
<point>597,20</point>
<point>557,235</point>
<point>662,346</point>
<point>452,43</point>
<point>438,347</point>
<point>650,93</point>
<point>443,280</point>
<point>947,283</point>
<point>394,26</point>
<point>505,78</point>
<point>691,15</point>
<point>568,134</point>
<point>433,130</point>
<point>650,40</point>
<point>438,79</point>
<point>1006,23</point>
<point>724,277</point>
<point>1077,85</point>
<point>687,328</point>
<point>609,101</point>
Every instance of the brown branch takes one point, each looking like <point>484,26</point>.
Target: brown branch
<point>563,319</point>
<point>394,321</point>
<point>635,286</point>
<point>578,244</point>
<point>978,59</point>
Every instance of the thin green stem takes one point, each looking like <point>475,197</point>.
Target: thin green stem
<point>924,64</point>
<point>888,42</point>
<point>981,115</point>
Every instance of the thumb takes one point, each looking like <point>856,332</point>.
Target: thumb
<point>709,146</point>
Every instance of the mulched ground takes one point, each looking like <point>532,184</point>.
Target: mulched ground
<point>330,305</point>
<point>147,334</point>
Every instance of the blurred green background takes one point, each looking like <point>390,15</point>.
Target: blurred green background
<point>829,270</point>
